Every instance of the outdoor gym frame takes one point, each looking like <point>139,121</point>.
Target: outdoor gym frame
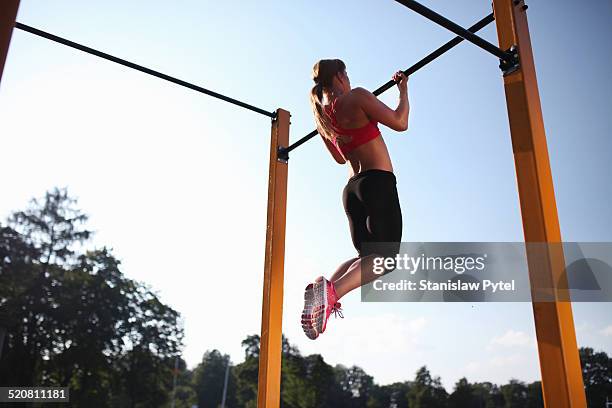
<point>562,384</point>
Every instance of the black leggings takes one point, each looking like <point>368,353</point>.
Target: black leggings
<point>372,205</point>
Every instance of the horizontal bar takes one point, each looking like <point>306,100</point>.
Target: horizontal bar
<point>414,68</point>
<point>140,68</point>
<point>455,28</point>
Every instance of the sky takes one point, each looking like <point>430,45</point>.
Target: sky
<point>176,182</point>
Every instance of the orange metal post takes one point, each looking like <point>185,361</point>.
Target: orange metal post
<point>8,14</point>
<point>562,384</point>
<point>268,391</point>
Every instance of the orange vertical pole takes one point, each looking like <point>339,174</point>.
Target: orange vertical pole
<point>562,384</point>
<point>270,354</point>
<point>8,14</point>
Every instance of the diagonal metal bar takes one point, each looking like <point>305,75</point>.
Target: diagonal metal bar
<point>455,28</point>
<point>141,68</point>
<point>284,152</point>
<point>438,52</point>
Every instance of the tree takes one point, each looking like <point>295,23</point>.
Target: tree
<point>463,396</point>
<point>356,385</point>
<point>307,381</point>
<point>320,387</point>
<point>18,273</point>
<point>515,394</point>
<point>208,380</point>
<point>184,394</point>
<point>246,373</point>
<point>597,376</point>
<point>488,395</point>
<point>393,395</point>
<point>146,378</point>
<point>37,242</point>
<point>427,392</point>
<point>73,319</point>
<point>534,395</point>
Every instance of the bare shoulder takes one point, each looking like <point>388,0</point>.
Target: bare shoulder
<point>361,93</point>
<point>361,97</point>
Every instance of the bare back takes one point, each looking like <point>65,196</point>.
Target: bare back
<point>350,114</point>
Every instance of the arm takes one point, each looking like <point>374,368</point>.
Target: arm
<point>337,155</point>
<point>395,119</point>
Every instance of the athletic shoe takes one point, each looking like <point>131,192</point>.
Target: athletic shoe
<point>320,301</point>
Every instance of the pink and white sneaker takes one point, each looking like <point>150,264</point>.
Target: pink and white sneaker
<point>320,301</point>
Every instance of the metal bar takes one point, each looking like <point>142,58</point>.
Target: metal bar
<point>270,353</point>
<point>438,52</point>
<point>8,14</point>
<point>301,141</point>
<point>141,68</point>
<point>454,27</point>
<point>562,383</point>
<point>414,68</point>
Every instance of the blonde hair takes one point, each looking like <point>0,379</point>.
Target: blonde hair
<point>323,73</point>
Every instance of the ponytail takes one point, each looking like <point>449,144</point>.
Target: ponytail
<point>323,74</point>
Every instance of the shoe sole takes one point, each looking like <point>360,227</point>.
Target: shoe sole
<point>308,312</point>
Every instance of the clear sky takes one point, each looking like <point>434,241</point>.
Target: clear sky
<point>176,183</point>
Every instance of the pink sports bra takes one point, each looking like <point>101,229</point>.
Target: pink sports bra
<point>358,136</point>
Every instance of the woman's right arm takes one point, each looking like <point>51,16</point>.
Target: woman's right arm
<point>395,119</point>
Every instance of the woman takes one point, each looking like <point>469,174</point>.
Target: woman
<point>347,121</point>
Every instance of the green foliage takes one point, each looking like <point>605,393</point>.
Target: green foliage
<point>246,376</point>
<point>488,395</point>
<point>73,319</point>
<point>392,395</point>
<point>184,394</point>
<point>515,394</point>
<point>597,376</point>
<point>534,395</point>
<point>463,396</point>
<point>427,391</point>
<point>209,378</point>
<point>356,385</point>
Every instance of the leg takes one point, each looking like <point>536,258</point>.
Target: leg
<point>359,273</point>
<point>374,212</point>
<point>342,269</point>
<point>374,215</point>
